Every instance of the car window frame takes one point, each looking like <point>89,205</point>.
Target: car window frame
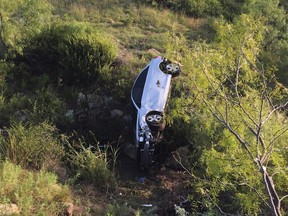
<point>138,87</point>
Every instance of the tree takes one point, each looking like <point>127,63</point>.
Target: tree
<point>241,165</point>
<point>284,4</point>
<point>244,103</point>
<point>275,45</point>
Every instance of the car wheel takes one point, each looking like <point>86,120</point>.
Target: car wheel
<point>173,69</point>
<point>155,121</point>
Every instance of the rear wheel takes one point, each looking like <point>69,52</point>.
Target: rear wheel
<point>173,69</point>
<point>170,68</point>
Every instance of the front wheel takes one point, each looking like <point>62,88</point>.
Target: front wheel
<point>155,121</point>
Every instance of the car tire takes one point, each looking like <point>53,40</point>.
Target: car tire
<point>173,69</point>
<point>170,68</point>
<point>156,121</point>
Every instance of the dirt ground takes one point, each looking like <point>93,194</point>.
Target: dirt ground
<point>155,191</point>
<point>152,192</point>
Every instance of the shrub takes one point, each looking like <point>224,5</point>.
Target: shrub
<point>118,83</point>
<point>92,165</point>
<point>43,105</point>
<point>121,210</point>
<point>34,146</point>
<point>83,60</point>
<point>227,8</point>
<point>34,193</point>
<point>70,54</point>
<point>21,20</point>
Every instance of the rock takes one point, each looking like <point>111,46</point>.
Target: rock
<point>130,150</point>
<point>127,119</point>
<point>9,209</point>
<point>21,116</point>
<point>151,27</point>
<point>93,101</point>
<point>88,101</point>
<point>178,159</point>
<point>81,98</point>
<point>116,113</point>
<point>68,208</point>
<point>70,115</point>
<point>154,52</point>
<point>110,20</point>
<point>163,169</point>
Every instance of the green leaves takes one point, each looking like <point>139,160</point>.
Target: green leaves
<point>71,54</point>
<point>21,20</point>
<point>233,116</point>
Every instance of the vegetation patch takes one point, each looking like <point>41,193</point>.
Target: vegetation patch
<point>34,193</point>
<point>93,165</point>
<point>69,66</point>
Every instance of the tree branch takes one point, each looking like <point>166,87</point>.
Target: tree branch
<point>218,207</point>
<point>283,197</point>
<point>270,188</point>
<point>257,192</point>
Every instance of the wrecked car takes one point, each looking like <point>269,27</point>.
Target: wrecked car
<point>149,97</point>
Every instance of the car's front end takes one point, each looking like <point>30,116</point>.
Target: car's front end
<point>149,96</point>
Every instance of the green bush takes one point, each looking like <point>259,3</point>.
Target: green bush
<point>92,165</point>
<point>284,4</point>
<point>35,193</point>
<point>198,8</point>
<point>83,60</point>
<point>22,19</point>
<point>118,83</point>
<point>72,54</point>
<point>34,146</point>
<point>121,210</point>
<point>42,105</point>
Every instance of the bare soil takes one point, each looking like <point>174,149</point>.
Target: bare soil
<point>152,192</point>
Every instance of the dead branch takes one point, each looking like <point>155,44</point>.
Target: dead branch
<point>179,161</point>
<point>283,197</point>
<point>257,192</point>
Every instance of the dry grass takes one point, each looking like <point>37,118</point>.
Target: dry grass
<point>78,11</point>
<point>193,22</point>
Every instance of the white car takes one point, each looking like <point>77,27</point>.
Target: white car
<point>149,96</point>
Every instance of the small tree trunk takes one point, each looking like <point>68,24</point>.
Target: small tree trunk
<point>272,193</point>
